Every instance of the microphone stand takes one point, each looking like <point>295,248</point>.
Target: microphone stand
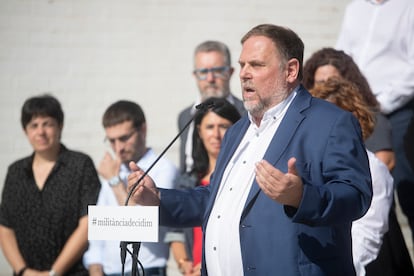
<point>136,245</point>
<point>135,250</point>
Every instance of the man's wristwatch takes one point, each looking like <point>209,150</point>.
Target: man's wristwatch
<point>114,181</point>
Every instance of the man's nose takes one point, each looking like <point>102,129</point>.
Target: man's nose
<point>118,146</point>
<point>244,72</point>
<point>210,76</point>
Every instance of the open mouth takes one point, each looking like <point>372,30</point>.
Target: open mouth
<point>248,89</point>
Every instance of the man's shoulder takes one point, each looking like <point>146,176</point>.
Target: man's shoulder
<point>166,163</point>
<point>316,108</point>
<point>326,110</point>
<point>236,99</point>
<point>163,163</point>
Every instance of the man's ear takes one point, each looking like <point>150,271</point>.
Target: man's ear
<point>143,128</point>
<point>231,71</point>
<point>292,71</point>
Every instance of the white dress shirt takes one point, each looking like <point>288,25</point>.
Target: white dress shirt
<point>379,36</point>
<point>107,253</point>
<point>222,241</point>
<point>367,232</point>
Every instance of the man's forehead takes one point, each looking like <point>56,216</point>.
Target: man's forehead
<point>123,126</point>
<point>256,46</point>
<point>209,57</point>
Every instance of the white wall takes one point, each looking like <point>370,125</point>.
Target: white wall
<point>89,53</point>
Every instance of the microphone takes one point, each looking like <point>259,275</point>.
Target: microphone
<point>136,245</point>
<point>205,105</point>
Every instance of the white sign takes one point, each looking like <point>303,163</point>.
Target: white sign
<point>123,223</point>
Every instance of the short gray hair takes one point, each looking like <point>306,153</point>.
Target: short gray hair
<point>214,46</point>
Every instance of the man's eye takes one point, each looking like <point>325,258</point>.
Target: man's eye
<point>123,138</point>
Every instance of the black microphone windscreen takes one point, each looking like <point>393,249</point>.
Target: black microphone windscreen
<point>206,105</point>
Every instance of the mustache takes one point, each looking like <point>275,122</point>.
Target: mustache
<point>247,84</point>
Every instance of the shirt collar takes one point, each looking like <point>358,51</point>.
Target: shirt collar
<point>60,160</point>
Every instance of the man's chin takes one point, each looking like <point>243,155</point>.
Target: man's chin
<point>210,94</point>
<point>254,107</point>
<point>126,160</point>
<point>249,105</point>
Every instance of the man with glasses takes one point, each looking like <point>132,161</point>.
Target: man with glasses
<point>126,130</point>
<point>212,72</point>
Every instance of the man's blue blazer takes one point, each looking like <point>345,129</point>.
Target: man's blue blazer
<point>315,238</point>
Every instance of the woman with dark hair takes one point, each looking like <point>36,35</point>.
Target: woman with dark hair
<point>329,62</point>
<point>207,137</point>
<point>43,211</point>
<point>210,126</point>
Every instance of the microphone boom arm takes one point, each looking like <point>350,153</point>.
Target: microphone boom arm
<point>136,245</point>
<point>156,160</point>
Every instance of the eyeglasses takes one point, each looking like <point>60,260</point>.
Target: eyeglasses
<point>218,72</point>
<point>122,139</point>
